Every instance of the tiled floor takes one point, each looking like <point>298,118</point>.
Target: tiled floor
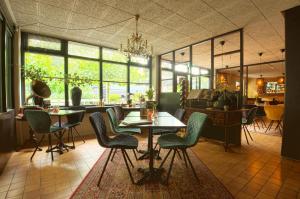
<point>252,171</point>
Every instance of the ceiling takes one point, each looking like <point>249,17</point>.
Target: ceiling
<point>167,24</point>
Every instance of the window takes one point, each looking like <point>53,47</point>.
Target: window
<point>195,70</point>
<point>139,82</point>
<point>115,82</point>
<point>89,69</point>
<point>54,66</point>
<point>139,60</point>
<point>166,64</point>
<point>204,82</point>
<point>183,67</point>
<point>119,75</point>
<point>166,81</point>
<point>44,42</point>
<point>113,55</point>
<point>83,50</point>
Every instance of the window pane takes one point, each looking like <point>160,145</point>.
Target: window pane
<point>140,60</point>
<point>204,82</point>
<point>89,69</point>
<point>113,92</point>
<point>84,68</point>
<point>44,42</point>
<point>181,68</point>
<point>167,86</point>
<point>83,50</point>
<point>195,71</point>
<point>113,55</point>
<point>204,71</point>
<point>195,83</point>
<point>137,90</point>
<point>166,75</point>
<point>139,75</point>
<point>166,64</point>
<point>114,72</point>
<point>54,66</point>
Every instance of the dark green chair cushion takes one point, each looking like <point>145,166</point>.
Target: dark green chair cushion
<point>54,129</point>
<point>121,130</point>
<point>171,141</point>
<point>160,131</point>
<point>124,141</point>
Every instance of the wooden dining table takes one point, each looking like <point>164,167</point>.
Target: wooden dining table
<point>163,120</point>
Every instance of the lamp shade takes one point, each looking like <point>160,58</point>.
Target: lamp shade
<point>281,80</point>
<point>260,81</point>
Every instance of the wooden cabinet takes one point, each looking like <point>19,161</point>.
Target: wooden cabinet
<point>220,123</point>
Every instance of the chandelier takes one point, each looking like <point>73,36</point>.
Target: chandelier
<point>260,81</point>
<point>136,45</point>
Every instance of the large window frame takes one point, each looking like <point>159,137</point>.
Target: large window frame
<point>6,65</point>
<point>64,53</point>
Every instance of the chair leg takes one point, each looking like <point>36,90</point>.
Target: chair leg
<point>106,162</point>
<point>37,147</point>
<point>170,168</point>
<point>68,135</point>
<point>162,163</point>
<point>72,134</point>
<point>249,133</point>
<point>184,158</point>
<point>79,135</point>
<point>193,169</point>
<point>112,158</point>
<point>270,126</point>
<point>179,155</point>
<point>128,158</point>
<point>133,150</point>
<point>124,156</point>
<point>263,122</point>
<point>257,124</point>
<point>245,133</point>
<point>155,146</point>
<point>50,145</point>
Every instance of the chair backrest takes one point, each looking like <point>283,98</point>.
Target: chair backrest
<point>179,114</point>
<point>99,127</point>
<point>112,119</point>
<point>77,117</point>
<point>38,120</point>
<point>169,102</point>
<point>251,115</point>
<point>119,113</point>
<point>195,127</point>
<point>274,112</point>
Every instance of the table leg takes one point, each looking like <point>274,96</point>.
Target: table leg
<point>150,174</point>
<point>226,139</point>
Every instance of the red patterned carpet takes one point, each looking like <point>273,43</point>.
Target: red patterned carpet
<point>182,183</point>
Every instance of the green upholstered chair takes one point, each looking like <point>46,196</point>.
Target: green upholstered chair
<point>40,122</point>
<point>119,113</point>
<point>173,142</point>
<point>249,120</point>
<point>160,131</point>
<point>74,120</point>
<point>114,124</point>
<point>120,141</point>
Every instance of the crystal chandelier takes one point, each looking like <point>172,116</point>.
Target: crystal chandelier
<point>136,45</point>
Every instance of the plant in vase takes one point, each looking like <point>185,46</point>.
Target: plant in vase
<point>150,94</point>
<point>75,81</point>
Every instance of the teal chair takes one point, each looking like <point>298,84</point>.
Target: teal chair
<point>40,122</point>
<point>120,141</point>
<point>173,142</point>
<point>114,124</point>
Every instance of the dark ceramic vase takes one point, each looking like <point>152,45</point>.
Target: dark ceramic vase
<point>76,93</point>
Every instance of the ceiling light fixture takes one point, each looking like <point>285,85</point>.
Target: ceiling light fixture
<point>260,80</point>
<point>136,45</point>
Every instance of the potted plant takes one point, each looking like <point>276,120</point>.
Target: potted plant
<point>150,94</point>
<point>75,81</point>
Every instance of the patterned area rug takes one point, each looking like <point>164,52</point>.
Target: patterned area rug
<point>272,131</point>
<point>182,183</point>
